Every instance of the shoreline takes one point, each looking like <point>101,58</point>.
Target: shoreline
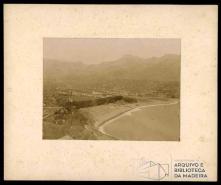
<point>98,128</point>
<point>101,126</point>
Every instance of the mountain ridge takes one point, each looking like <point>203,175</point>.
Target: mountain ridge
<point>165,68</point>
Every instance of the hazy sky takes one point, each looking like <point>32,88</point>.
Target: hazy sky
<point>101,50</point>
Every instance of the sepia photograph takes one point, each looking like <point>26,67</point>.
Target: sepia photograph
<point>111,89</point>
<point>110,92</point>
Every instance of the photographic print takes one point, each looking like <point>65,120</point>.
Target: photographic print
<point>110,92</point>
<point>111,89</point>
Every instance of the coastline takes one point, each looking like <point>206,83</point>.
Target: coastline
<point>103,115</point>
<point>101,126</point>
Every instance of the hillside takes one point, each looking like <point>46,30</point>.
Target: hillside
<point>128,73</point>
<point>166,68</point>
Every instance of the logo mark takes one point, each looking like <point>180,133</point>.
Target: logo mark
<point>153,171</point>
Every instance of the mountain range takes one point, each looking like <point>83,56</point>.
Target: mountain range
<point>128,67</point>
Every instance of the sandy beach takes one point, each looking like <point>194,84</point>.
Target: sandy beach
<point>150,124</point>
